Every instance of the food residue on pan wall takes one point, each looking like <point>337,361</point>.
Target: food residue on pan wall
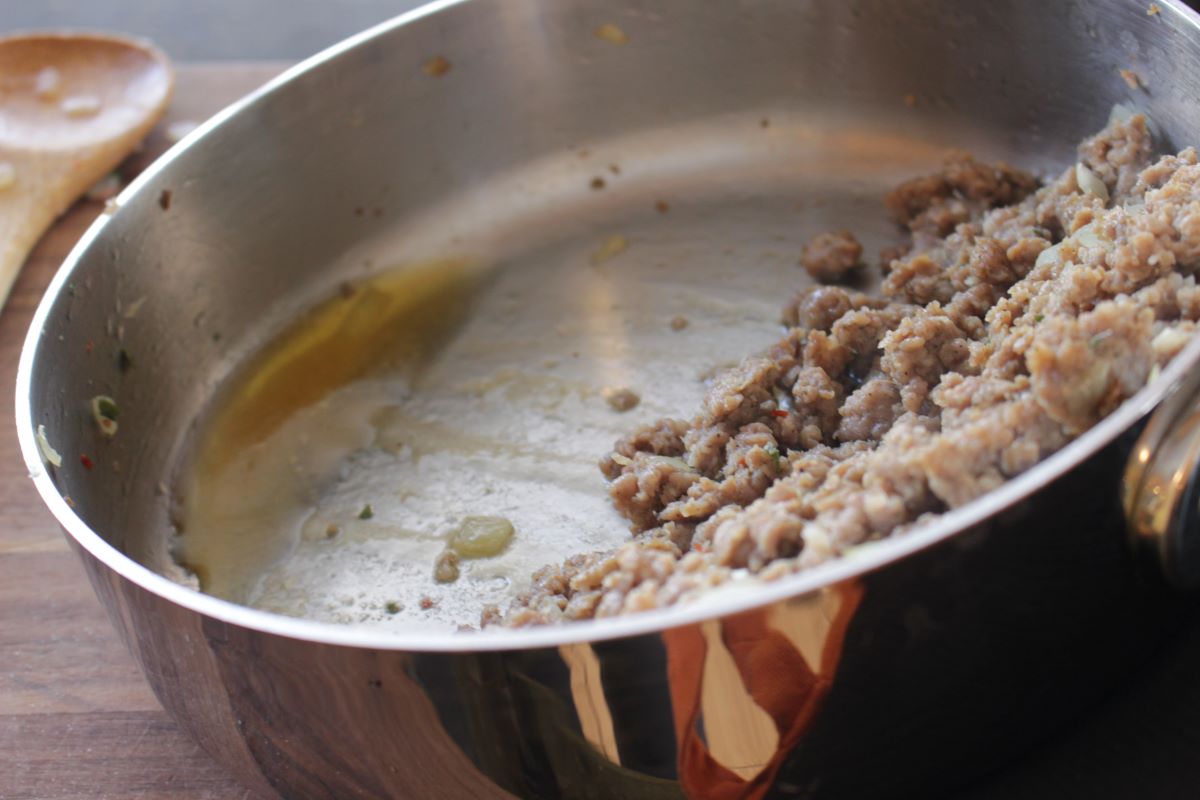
<point>612,34</point>
<point>436,67</point>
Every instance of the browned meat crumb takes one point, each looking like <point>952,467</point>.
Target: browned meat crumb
<point>445,567</point>
<point>436,67</point>
<point>621,398</point>
<point>817,308</point>
<point>1003,336</point>
<point>597,183</point>
<point>962,190</point>
<point>831,257</point>
<point>491,615</point>
<point>679,323</point>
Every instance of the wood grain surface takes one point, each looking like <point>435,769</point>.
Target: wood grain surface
<point>78,721</point>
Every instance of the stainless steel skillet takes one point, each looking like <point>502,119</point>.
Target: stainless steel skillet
<point>926,661</point>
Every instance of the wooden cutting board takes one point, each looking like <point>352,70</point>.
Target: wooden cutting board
<point>77,720</point>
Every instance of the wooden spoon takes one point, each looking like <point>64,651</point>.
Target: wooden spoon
<point>72,106</point>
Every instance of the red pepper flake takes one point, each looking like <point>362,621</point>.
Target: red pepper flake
<point>779,412</point>
<point>87,462</point>
<point>742,463</point>
<point>427,603</point>
<point>87,348</point>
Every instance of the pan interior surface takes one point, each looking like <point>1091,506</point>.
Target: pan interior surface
<point>634,280</point>
<point>563,196</point>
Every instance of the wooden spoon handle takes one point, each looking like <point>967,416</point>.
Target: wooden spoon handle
<point>20,228</point>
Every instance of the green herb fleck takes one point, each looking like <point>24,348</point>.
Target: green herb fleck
<point>216,336</point>
<point>71,289</point>
<point>392,607</point>
<point>774,453</point>
<point>107,408</point>
<point>1039,318</point>
<point>104,412</point>
<point>367,512</point>
<point>1098,339</point>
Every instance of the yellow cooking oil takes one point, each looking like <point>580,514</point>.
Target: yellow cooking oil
<point>270,435</point>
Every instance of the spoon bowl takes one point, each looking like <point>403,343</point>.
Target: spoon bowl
<point>72,106</point>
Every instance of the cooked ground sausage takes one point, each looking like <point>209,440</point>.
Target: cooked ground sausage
<point>1017,318</point>
<point>831,257</point>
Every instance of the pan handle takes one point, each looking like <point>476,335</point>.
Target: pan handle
<point>1160,490</point>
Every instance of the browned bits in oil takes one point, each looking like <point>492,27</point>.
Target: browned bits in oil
<point>615,169</point>
<point>1153,10</point>
<point>910,100</point>
<point>621,398</point>
<point>445,567</point>
<point>436,67</point>
<point>662,206</point>
<point>164,200</point>
<point>679,323</point>
<point>332,530</point>
<point>764,123</point>
<point>1131,79</point>
<point>610,248</point>
<point>611,34</point>
<point>597,183</point>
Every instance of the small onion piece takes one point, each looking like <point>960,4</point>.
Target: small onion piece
<point>481,537</point>
<point>1089,182</point>
<point>678,463</point>
<point>1051,255</point>
<point>52,456</point>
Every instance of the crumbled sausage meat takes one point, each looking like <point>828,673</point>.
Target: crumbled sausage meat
<point>831,257</point>
<point>1014,320</point>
